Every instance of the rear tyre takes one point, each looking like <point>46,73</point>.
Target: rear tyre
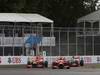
<point>81,63</point>
<point>68,67</point>
<point>61,66</point>
<point>46,64</point>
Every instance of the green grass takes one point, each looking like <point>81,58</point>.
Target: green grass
<point>91,66</point>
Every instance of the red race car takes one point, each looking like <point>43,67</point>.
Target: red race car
<point>60,63</point>
<point>37,62</point>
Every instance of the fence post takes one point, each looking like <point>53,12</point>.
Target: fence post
<point>59,43</point>
<point>68,42</point>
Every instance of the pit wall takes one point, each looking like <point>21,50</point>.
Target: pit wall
<point>18,60</point>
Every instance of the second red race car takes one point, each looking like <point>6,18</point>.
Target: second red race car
<point>60,63</point>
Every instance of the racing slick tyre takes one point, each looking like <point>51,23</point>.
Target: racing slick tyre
<point>61,66</point>
<point>81,63</point>
<point>46,64</point>
<point>68,67</point>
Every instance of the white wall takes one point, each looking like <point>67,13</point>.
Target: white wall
<point>11,60</point>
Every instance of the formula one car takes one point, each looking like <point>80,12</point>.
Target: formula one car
<point>37,62</point>
<point>76,61</point>
<point>60,63</point>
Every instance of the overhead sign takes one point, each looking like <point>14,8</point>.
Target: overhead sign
<point>20,41</point>
<point>47,41</point>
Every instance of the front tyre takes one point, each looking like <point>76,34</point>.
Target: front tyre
<point>68,67</point>
<point>61,66</point>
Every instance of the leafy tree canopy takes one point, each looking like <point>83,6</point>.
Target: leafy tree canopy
<point>63,12</point>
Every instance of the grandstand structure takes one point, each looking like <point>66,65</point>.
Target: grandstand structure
<point>89,33</point>
<point>83,40</point>
<point>23,34</point>
<point>33,34</point>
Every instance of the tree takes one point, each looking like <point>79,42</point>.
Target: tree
<point>66,12</point>
<point>91,4</point>
<point>63,12</point>
<point>11,5</point>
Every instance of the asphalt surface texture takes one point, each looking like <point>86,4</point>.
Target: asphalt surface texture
<point>49,71</point>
